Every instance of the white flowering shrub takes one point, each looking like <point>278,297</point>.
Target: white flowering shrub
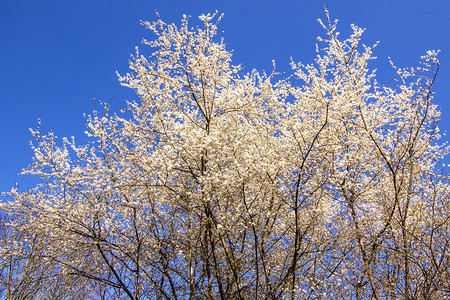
<point>221,184</point>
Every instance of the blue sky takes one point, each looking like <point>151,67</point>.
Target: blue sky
<point>57,56</point>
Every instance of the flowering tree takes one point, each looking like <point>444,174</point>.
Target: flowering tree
<point>219,184</point>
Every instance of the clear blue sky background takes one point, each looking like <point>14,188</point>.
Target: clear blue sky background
<point>56,56</point>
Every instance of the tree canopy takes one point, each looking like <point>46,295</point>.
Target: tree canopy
<point>218,183</point>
